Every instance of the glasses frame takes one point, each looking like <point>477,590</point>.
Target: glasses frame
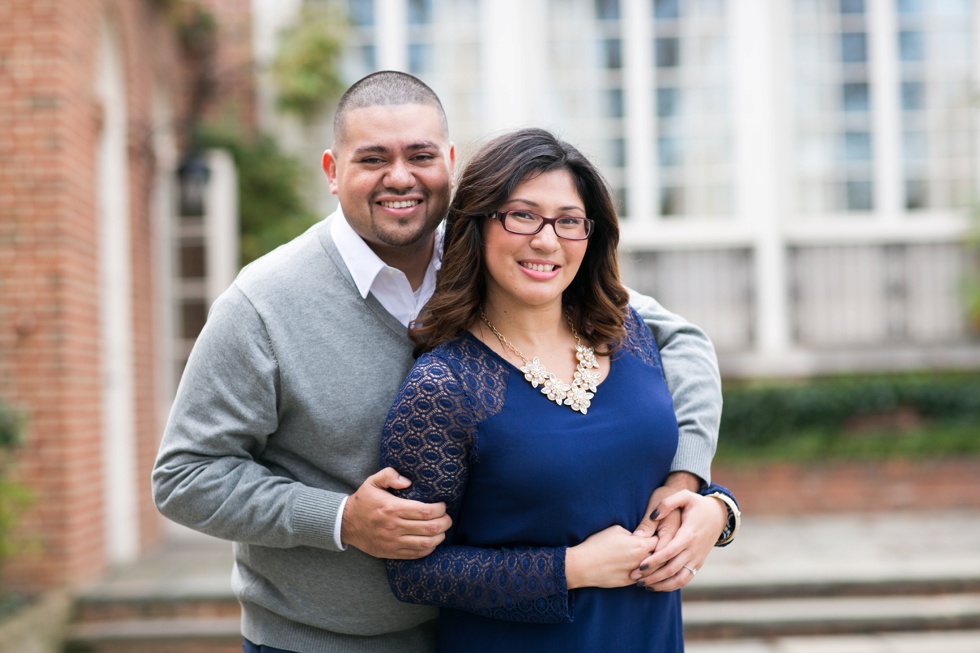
<point>502,217</point>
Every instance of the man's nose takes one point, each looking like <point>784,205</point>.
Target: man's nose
<point>399,175</point>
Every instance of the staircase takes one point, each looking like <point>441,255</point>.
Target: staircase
<point>832,609</point>
<point>871,584</point>
<point>860,583</point>
<point>177,600</point>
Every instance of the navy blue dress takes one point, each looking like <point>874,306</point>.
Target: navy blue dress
<point>524,478</point>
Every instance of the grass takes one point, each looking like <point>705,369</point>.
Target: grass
<point>926,441</point>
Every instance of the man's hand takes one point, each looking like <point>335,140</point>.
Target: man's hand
<point>385,526</point>
<point>666,527</point>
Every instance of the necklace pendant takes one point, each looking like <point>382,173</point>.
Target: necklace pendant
<point>535,372</point>
<point>577,396</point>
<point>555,389</point>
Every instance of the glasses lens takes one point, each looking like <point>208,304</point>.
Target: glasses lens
<point>521,222</point>
<point>572,228</point>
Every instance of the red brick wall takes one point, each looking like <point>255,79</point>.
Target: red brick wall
<point>49,293</point>
<point>784,489</point>
<point>234,69</point>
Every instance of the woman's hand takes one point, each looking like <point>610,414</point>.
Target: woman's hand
<point>703,519</point>
<point>606,558</point>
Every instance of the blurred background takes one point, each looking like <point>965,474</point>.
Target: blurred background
<point>798,177</point>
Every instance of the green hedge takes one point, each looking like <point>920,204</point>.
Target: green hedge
<point>763,413</point>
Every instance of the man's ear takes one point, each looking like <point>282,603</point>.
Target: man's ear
<point>329,164</point>
<point>452,165</point>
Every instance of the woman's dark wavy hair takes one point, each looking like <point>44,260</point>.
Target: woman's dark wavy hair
<point>595,300</point>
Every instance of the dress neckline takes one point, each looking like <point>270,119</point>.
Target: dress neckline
<point>607,360</point>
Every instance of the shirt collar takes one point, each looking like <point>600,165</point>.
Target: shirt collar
<point>364,265</point>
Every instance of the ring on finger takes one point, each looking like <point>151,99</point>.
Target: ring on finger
<point>694,572</point>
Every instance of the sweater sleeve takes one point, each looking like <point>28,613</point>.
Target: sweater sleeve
<point>208,475</point>
<point>430,438</point>
<point>691,369</point>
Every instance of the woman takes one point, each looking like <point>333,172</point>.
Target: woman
<point>539,413</point>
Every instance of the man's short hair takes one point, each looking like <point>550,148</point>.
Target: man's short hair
<point>385,88</point>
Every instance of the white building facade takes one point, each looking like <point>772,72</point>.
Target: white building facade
<point>795,176</point>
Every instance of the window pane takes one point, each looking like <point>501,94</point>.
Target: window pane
<point>911,6</point>
<point>852,6</point>
<point>857,146</point>
<point>607,9</point>
<point>669,149</point>
<point>616,153</point>
<point>614,103</point>
<point>911,46</point>
<point>856,97</point>
<point>915,194</point>
<point>419,12</point>
<point>419,58</point>
<point>859,195</point>
<point>853,47</point>
<point>668,52</point>
<point>666,9</point>
<point>913,96</point>
<point>671,201</point>
<point>612,51</point>
<point>361,12</point>
<point>668,102</point>
<point>915,145</point>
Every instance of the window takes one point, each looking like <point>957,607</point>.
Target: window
<point>936,48</point>
<point>833,88</point>
<point>361,12</point>
<point>692,107</point>
<point>419,12</point>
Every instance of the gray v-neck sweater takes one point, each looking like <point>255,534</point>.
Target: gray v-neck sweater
<point>278,416</point>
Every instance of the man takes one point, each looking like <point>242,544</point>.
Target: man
<point>273,438</point>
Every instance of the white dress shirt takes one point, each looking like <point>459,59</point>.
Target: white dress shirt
<point>389,286</point>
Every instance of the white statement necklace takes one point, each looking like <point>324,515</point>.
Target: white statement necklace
<point>577,395</point>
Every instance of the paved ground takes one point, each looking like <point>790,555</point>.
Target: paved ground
<point>884,547</point>
<point>943,545</point>
<point>852,547</point>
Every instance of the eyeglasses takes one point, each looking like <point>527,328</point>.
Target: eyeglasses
<point>527,223</point>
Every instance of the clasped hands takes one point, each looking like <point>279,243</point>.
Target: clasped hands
<point>658,555</point>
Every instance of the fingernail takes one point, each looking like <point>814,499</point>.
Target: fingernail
<point>639,583</point>
<point>643,567</point>
<point>654,514</point>
<point>640,533</point>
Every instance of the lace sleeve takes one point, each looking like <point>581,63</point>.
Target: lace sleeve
<point>640,341</point>
<point>429,438</point>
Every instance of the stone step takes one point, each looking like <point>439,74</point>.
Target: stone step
<point>766,618</point>
<point>831,587</point>
<point>950,641</point>
<point>212,635</point>
<point>97,608</point>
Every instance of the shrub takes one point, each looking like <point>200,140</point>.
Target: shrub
<point>271,205</point>
<point>14,497</point>
<point>761,414</point>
